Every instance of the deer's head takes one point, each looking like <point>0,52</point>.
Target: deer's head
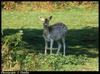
<point>46,21</point>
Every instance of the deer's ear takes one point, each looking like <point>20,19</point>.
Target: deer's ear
<point>42,19</point>
<point>50,17</point>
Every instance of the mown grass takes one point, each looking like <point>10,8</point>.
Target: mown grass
<point>81,41</point>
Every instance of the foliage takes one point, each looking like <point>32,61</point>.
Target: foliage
<point>13,49</point>
<point>30,62</point>
<point>56,62</point>
<point>48,5</point>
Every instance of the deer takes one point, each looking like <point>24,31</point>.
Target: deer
<point>56,32</point>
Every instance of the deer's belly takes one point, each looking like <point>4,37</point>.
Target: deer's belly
<point>49,37</point>
<point>56,35</point>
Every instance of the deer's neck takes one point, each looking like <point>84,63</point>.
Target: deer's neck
<point>46,28</point>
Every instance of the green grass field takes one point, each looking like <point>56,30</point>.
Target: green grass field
<point>82,39</point>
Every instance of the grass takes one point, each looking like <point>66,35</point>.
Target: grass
<point>82,40</point>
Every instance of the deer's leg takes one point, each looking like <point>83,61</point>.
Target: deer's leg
<point>64,46</point>
<point>59,46</point>
<point>51,45</point>
<point>46,47</point>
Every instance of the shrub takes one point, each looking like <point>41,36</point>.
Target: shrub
<point>13,51</point>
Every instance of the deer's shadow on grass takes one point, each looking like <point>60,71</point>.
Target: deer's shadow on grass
<point>79,41</point>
